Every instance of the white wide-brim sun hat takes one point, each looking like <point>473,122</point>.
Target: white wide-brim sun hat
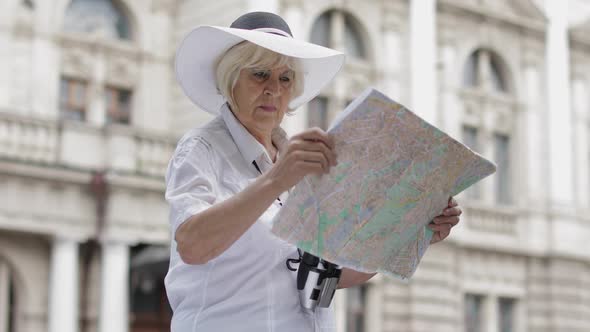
<point>200,50</point>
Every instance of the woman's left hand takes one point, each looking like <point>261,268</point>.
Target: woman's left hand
<point>442,224</point>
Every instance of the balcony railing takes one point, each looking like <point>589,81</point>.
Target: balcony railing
<point>77,145</point>
<point>492,220</point>
<point>28,139</point>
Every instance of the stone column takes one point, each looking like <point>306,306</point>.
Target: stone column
<point>532,162</point>
<point>374,309</point>
<point>340,309</point>
<point>423,58</point>
<point>582,149</point>
<point>114,290</point>
<point>96,111</point>
<point>8,11</point>
<point>293,15</point>
<point>567,235</point>
<point>558,101</point>
<point>4,296</point>
<point>63,286</point>
<point>491,313</point>
<point>533,134</point>
<point>154,73</point>
<point>337,103</point>
<point>264,5</point>
<point>450,117</point>
<point>45,61</point>
<point>390,59</point>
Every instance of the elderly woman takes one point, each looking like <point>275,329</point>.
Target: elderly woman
<point>228,178</point>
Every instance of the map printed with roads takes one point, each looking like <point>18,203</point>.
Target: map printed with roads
<point>395,173</point>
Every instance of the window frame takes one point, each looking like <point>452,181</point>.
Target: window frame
<point>71,105</point>
<point>126,34</point>
<point>358,312</point>
<point>349,23</point>
<point>114,115</point>
<point>480,314</point>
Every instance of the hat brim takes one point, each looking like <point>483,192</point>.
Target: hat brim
<point>197,55</point>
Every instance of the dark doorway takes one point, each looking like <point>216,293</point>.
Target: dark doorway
<point>150,310</point>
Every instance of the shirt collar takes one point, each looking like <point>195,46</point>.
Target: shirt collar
<point>249,147</point>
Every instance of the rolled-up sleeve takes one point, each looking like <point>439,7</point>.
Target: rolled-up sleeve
<point>190,180</point>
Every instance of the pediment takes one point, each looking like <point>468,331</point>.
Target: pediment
<point>515,9</point>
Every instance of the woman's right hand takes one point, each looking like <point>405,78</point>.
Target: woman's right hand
<point>309,152</point>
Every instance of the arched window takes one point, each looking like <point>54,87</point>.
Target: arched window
<point>487,89</point>
<point>340,30</point>
<point>485,69</point>
<point>101,17</point>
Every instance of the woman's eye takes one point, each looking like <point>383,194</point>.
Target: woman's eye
<point>260,74</point>
<point>286,79</point>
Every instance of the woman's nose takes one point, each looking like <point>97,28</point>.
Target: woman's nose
<point>272,88</point>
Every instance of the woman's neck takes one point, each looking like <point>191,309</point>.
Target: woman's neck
<point>265,139</point>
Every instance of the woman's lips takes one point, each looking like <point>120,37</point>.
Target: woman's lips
<point>268,108</point>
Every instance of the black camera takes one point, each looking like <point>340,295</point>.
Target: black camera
<point>317,280</point>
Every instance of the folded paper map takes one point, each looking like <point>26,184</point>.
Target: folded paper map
<point>395,173</point>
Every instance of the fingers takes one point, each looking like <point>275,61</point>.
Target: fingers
<point>303,157</point>
<point>452,202</point>
<point>317,134</point>
<point>453,220</point>
<point>443,225</point>
<point>454,211</point>
<point>439,236</point>
<point>310,146</point>
<point>311,167</point>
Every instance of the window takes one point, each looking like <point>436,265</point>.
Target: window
<point>486,84</point>
<point>498,82</point>
<point>506,307</point>
<point>471,139</point>
<point>73,99</point>
<point>323,32</point>
<point>471,74</point>
<point>356,301</point>
<point>485,68</point>
<point>317,115</point>
<point>353,41</point>
<point>502,159</point>
<point>97,17</point>
<point>28,4</point>
<point>11,307</point>
<point>118,105</point>
<point>7,298</point>
<point>473,313</point>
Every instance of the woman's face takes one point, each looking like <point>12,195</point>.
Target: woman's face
<point>262,97</point>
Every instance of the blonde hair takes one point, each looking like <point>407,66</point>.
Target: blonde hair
<point>247,55</point>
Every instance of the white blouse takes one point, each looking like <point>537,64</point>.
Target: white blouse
<point>248,287</point>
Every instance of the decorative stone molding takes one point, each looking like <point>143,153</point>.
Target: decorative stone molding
<point>395,15</point>
<point>533,52</point>
<point>122,70</point>
<point>505,13</point>
<point>169,7</point>
<point>492,220</point>
<point>77,62</point>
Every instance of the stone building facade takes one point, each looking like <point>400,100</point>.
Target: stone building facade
<point>90,114</point>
